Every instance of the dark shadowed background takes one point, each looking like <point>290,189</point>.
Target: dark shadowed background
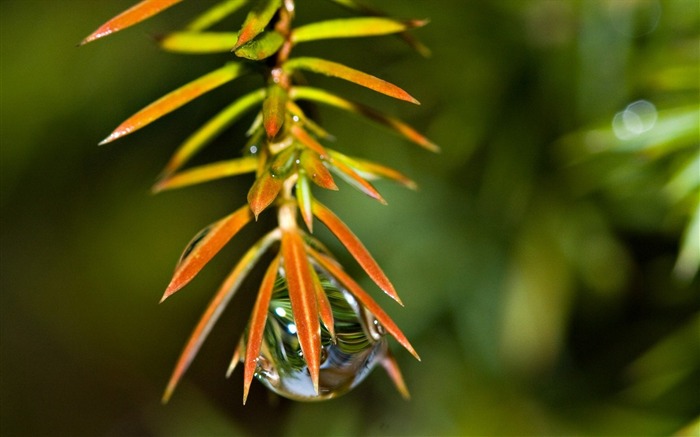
<point>548,263</point>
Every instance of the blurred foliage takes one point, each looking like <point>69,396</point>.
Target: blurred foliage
<point>548,263</point>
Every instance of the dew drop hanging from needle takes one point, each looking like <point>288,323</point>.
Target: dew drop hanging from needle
<point>346,359</point>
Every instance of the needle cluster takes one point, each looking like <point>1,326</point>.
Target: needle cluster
<point>288,155</point>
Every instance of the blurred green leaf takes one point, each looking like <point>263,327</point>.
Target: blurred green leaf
<point>688,262</point>
<point>668,363</point>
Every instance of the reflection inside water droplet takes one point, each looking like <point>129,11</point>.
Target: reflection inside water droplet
<point>359,345</point>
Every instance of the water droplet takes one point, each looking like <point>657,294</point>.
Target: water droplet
<point>359,345</point>
<point>379,328</point>
<point>194,242</point>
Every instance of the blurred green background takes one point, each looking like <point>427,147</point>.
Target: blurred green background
<point>548,263</point>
